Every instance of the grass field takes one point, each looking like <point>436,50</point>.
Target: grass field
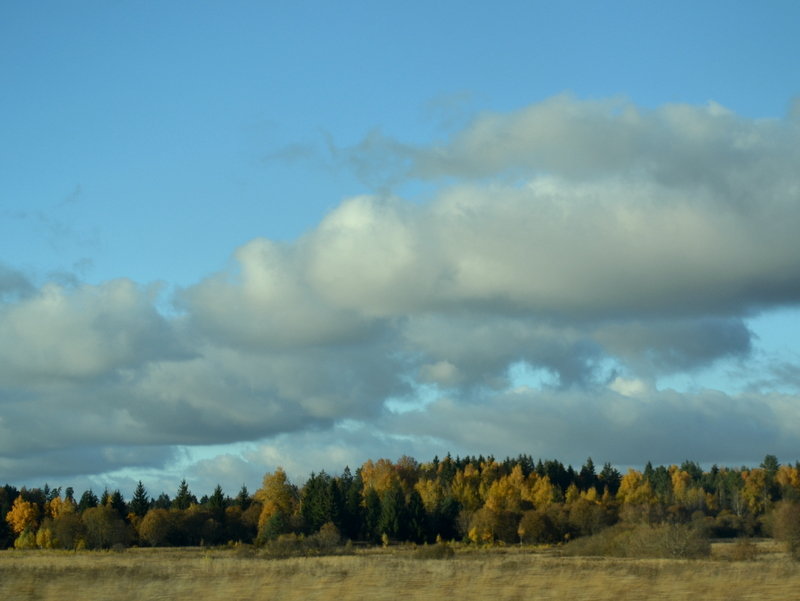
<point>507,573</point>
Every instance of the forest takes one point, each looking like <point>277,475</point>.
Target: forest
<point>477,500</point>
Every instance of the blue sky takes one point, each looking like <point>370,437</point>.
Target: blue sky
<point>235,236</point>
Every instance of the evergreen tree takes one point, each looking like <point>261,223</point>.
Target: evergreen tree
<point>117,503</point>
<point>88,500</point>
<point>162,502</point>
<point>771,466</point>
<point>661,483</point>
<point>694,470</point>
<point>446,519</point>
<point>316,502</point>
<point>273,527</point>
<point>184,497</point>
<point>217,504</point>
<point>351,511</point>
<point>243,499</point>
<point>140,502</point>
<point>338,507</point>
<point>372,515</point>
<point>416,520</point>
<point>447,471</point>
<point>7,496</point>
<point>393,519</point>
<point>587,478</point>
<point>610,478</point>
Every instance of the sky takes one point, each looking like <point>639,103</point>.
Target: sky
<point>242,235</point>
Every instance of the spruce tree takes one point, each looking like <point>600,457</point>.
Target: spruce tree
<point>117,503</point>
<point>140,502</point>
<point>88,500</point>
<point>316,503</point>
<point>183,498</point>
<point>243,499</point>
<point>394,516</point>
<point>217,503</point>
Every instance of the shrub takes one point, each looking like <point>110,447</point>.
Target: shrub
<point>328,536</point>
<point>26,540</point>
<point>324,542</point>
<point>438,551</point>
<point>678,541</point>
<point>660,541</point>
<point>537,527</point>
<point>744,549</point>
<point>784,524</point>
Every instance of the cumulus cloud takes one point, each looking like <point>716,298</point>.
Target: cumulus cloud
<point>13,284</point>
<point>626,426</point>
<point>83,333</point>
<point>597,242</point>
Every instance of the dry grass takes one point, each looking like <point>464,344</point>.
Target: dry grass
<point>178,574</point>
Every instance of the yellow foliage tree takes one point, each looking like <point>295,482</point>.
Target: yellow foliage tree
<point>635,490</point>
<point>490,471</point>
<point>681,484</point>
<point>156,527</point>
<point>407,470</point>
<point>276,495</point>
<point>636,497</point>
<point>23,515</point>
<point>58,507</point>
<point>788,478</point>
<point>754,492</point>
<point>590,495</point>
<point>543,493</point>
<point>380,475</point>
<point>487,526</point>
<point>573,494</point>
<point>465,488</point>
<point>508,493</point>
<point>431,493</point>
<point>44,538</point>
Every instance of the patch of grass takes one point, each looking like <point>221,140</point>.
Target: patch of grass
<point>506,573</point>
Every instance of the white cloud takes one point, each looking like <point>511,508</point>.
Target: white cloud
<point>82,333</point>
<point>569,237</point>
<point>632,387</point>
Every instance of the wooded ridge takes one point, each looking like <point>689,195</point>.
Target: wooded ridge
<point>471,499</point>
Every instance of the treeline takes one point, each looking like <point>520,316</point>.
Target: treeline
<point>476,499</point>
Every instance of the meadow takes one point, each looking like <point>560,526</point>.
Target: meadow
<point>514,573</point>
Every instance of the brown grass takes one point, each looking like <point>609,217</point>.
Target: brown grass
<point>509,573</point>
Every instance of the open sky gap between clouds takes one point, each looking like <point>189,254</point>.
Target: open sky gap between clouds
<point>604,245</point>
